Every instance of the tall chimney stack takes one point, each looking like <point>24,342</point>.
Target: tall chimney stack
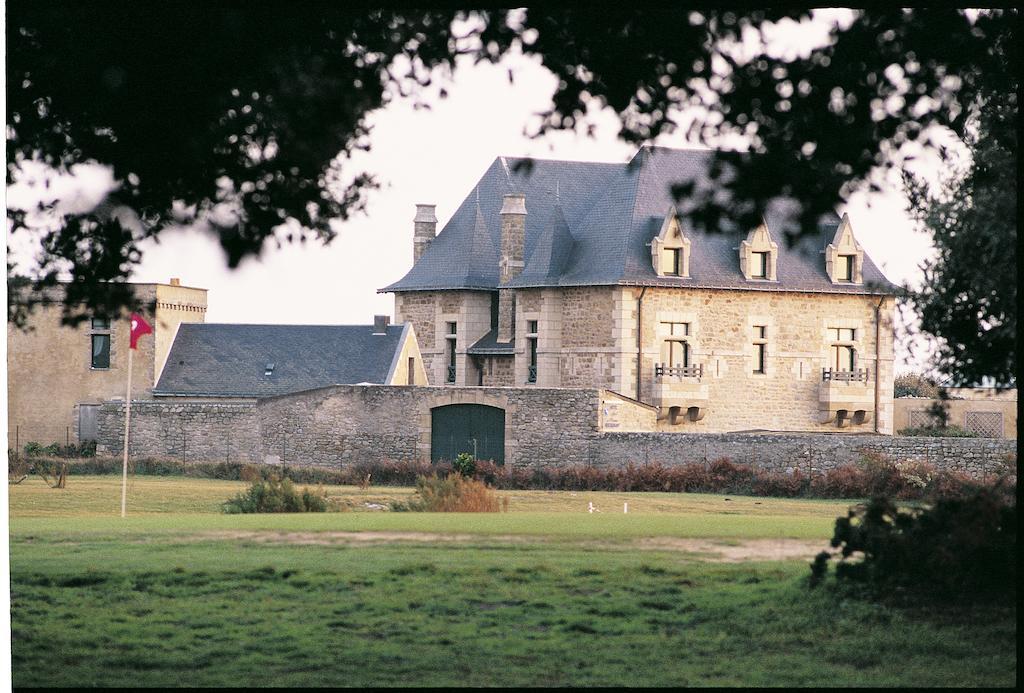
<point>424,230</point>
<point>513,238</point>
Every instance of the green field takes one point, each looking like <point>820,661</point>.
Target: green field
<point>684,590</point>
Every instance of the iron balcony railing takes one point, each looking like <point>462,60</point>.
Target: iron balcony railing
<point>858,376</point>
<point>451,374</point>
<point>531,376</point>
<point>680,371</point>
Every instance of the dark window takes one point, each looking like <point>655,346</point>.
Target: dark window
<point>494,310</point>
<point>531,341</point>
<point>450,339</point>
<point>101,351</point>
<point>844,271</point>
<point>100,324</point>
<point>760,265</point>
<point>411,378</point>
<point>759,366</point>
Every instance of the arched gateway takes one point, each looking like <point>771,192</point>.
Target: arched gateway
<point>474,428</point>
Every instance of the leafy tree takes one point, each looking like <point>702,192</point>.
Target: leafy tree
<point>241,116</point>
<point>969,296</point>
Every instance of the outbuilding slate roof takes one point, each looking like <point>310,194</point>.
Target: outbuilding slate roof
<point>592,224</point>
<point>221,360</point>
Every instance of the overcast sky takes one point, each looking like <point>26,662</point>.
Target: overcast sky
<point>436,156</point>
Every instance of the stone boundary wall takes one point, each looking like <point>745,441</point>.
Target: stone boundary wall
<point>342,425</point>
<point>809,452</point>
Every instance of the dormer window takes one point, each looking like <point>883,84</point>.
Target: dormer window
<point>844,257</point>
<point>670,249</point>
<point>758,255</point>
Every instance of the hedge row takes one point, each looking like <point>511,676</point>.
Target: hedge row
<point>872,476</point>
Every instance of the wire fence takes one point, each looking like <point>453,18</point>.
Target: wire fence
<point>56,441</point>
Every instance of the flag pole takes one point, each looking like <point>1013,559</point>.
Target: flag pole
<point>127,420</point>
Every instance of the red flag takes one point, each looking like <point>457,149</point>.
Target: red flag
<point>139,328</point>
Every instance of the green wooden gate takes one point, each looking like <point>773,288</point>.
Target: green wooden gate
<point>473,428</point>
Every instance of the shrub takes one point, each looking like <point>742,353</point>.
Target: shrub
<point>250,472</point>
<point>960,548</point>
<point>276,495</point>
<point>464,464</point>
<point>780,485</point>
<point>938,432</point>
<point>451,494</point>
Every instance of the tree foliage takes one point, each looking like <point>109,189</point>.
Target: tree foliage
<point>969,295</point>
<point>243,115</point>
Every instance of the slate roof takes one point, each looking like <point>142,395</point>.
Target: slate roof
<point>592,224</point>
<point>488,345</point>
<point>220,360</point>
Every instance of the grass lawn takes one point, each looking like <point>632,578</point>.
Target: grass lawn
<point>180,595</point>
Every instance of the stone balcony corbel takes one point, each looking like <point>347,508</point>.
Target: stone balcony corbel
<point>679,393</point>
<point>845,397</point>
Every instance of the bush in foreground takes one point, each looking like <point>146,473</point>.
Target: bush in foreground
<point>452,494</point>
<point>277,495</point>
<point>961,548</point>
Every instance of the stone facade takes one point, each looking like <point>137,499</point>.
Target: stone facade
<point>50,377</point>
<point>587,337</point>
<point>543,426</point>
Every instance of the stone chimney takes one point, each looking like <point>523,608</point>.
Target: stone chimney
<point>380,324</point>
<point>424,230</point>
<point>175,281</point>
<point>513,237</point>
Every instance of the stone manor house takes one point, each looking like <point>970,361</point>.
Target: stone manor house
<point>588,275</point>
<point>566,314</point>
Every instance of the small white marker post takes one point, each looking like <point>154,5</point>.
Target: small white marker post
<point>625,507</point>
<point>127,420</point>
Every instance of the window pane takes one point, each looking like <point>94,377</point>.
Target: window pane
<point>759,364</point>
<point>844,272</point>
<point>101,351</point>
<point>667,262</point>
<point>100,324</point>
<point>760,261</point>
<point>760,331</point>
<point>531,326</point>
<point>451,328</point>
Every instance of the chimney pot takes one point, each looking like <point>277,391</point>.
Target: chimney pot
<point>513,203</point>
<point>175,281</point>
<point>424,230</point>
<point>380,323</point>
<point>426,213</point>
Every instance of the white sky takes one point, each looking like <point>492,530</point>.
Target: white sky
<point>436,156</point>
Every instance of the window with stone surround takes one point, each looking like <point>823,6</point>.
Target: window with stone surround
<point>760,348</point>
<point>99,342</point>
<point>844,256</point>
<point>843,352</point>
<point>670,249</point>
<point>531,342</point>
<point>450,337</point>
<point>759,255</point>
<point>675,348</point>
